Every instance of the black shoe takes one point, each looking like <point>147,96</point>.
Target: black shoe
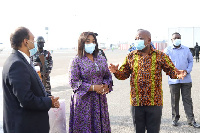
<point>175,123</point>
<point>194,124</point>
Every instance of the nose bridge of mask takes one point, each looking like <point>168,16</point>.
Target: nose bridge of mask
<point>90,45</point>
<point>177,42</point>
<point>139,41</point>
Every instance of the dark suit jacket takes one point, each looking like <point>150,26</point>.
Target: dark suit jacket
<point>25,103</point>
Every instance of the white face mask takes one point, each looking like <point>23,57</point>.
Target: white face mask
<point>177,42</point>
<point>33,50</point>
<point>139,44</point>
<point>89,48</point>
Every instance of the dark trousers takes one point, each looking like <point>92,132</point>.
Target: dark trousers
<point>185,89</point>
<point>197,58</point>
<point>146,118</point>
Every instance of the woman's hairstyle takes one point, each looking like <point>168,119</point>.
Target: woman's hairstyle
<point>18,37</point>
<point>81,44</point>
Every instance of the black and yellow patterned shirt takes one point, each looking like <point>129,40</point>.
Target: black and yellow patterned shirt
<point>146,76</point>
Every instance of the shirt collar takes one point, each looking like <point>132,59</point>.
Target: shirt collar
<point>177,48</point>
<point>26,57</point>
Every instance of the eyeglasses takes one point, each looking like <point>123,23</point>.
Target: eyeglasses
<point>32,41</point>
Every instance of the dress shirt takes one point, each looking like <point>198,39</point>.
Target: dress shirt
<point>26,56</point>
<point>146,76</point>
<point>183,60</point>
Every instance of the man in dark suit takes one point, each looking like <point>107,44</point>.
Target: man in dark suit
<point>25,102</point>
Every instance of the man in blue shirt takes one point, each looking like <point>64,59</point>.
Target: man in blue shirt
<point>183,60</point>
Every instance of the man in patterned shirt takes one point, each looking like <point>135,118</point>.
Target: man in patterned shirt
<point>144,66</point>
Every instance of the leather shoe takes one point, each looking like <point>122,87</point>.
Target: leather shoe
<point>195,125</point>
<point>175,123</point>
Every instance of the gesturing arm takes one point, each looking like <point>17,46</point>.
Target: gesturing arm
<point>124,71</point>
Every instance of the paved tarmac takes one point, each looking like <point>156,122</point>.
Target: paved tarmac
<point>118,100</point>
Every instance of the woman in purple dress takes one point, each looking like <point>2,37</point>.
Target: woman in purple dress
<point>90,80</point>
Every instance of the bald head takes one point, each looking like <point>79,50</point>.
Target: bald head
<point>145,33</point>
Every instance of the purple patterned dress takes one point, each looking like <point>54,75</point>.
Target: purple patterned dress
<point>89,110</point>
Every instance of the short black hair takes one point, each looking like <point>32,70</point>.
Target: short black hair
<point>18,37</point>
<point>81,43</point>
<point>176,33</point>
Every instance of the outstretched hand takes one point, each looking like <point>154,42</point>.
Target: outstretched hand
<point>113,68</point>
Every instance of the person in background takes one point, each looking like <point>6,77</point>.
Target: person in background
<point>43,59</point>
<point>197,48</point>
<point>145,66</point>
<point>25,101</point>
<point>90,80</point>
<point>183,59</point>
<point>101,52</point>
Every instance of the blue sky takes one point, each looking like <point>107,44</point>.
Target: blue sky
<point>114,20</point>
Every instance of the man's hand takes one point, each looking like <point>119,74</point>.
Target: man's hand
<point>181,73</point>
<point>55,102</point>
<point>113,68</point>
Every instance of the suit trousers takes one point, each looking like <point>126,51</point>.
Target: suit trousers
<point>185,89</point>
<point>146,118</point>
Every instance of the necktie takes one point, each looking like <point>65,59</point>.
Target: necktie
<point>38,78</point>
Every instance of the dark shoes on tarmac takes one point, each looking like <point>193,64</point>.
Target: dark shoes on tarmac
<point>175,123</point>
<point>194,124</point>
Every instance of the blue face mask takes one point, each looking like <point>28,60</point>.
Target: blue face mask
<point>177,42</point>
<point>139,44</point>
<point>89,48</point>
<point>34,50</point>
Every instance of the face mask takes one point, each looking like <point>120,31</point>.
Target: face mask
<point>177,42</point>
<point>139,44</point>
<point>34,50</point>
<point>40,45</point>
<point>89,48</point>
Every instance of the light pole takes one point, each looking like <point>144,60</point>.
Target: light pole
<point>47,29</point>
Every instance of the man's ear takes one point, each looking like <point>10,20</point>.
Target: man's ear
<point>25,42</point>
<point>149,40</point>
